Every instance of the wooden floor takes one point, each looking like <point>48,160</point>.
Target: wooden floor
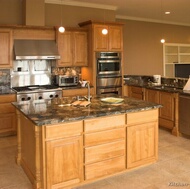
<point>171,171</point>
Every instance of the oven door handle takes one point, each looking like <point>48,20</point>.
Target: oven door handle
<point>108,61</point>
<point>109,76</point>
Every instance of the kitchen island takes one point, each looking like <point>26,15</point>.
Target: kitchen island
<point>63,146</point>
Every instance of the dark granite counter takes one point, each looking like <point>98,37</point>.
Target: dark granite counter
<point>44,112</point>
<point>163,88</point>
<point>7,91</point>
<point>172,85</point>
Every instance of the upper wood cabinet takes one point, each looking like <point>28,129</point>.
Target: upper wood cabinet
<point>6,47</point>
<point>72,46</point>
<point>113,41</point>
<point>110,42</point>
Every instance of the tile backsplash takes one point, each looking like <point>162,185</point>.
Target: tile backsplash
<point>5,79</point>
<point>66,71</point>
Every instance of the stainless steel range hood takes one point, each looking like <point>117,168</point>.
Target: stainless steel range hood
<point>35,49</point>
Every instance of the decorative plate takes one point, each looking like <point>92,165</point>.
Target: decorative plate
<point>112,100</point>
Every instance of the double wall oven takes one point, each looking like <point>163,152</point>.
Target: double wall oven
<point>109,78</point>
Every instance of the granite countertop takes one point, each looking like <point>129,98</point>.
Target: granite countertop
<point>163,88</point>
<point>45,112</point>
<point>6,91</point>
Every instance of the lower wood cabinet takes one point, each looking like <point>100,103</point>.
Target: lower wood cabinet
<point>142,138</point>
<point>7,115</point>
<point>168,114</point>
<point>104,168</point>
<point>64,154</point>
<point>78,92</point>
<point>134,92</point>
<point>67,155</point>
<point>64,162</point>
<point>104,146</point>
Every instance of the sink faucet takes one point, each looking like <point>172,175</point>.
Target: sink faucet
<point>86,84</point>
<point>88,95</point>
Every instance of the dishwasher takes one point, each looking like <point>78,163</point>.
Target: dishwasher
<point>184,114</point>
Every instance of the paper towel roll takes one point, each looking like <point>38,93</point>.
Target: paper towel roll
<point>187,85</point>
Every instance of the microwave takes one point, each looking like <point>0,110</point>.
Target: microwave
<point>67,80</point>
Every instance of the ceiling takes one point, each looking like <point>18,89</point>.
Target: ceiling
<point>144,10</point>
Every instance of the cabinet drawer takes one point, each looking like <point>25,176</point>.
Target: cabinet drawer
<point>104,123</point>
<point>6,108</point>
<point>105,151</point>
<point>77,92</point>
<point>141,117</point>
<point>136,90</point>
<point>63,130</point>
<point>104,168</point>
<point>7,98</point>
<point>104,136</point>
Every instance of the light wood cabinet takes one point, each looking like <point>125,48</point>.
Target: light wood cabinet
<point>104,142</point>
<point>7,115</point>
<point>113,41</point>
<point>64,153</point>
<point>152,95</point>
<point>168,114</point>
<point>135,92</point>
<point>72,46</point>
<point>77,92</point>
<point>142,138</point>
<point>99,42</point>
<point>64,162</point>
<point>6,48</point>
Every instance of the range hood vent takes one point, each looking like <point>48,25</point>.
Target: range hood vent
<point>35,50</point>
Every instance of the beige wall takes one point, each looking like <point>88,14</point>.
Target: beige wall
<point>142,48</point>
<point>72,15</point>
<point>143,52</point>
<point>11,12</point>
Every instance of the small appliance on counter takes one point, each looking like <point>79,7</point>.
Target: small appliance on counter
<point>67,80</point>
<point>157,79</point>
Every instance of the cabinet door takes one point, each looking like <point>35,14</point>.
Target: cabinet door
<point>64,42</point>
<point>5,48</point>
<point>115,38</point>
<point>142,142</point>
<point>152,95</point>
<point>77,92</point>
<point>80,55</point>
<point>7,124</point>
<point>136,92</point>
<point>64,162</point>
<point>100,40</point>
<point>167,111</point>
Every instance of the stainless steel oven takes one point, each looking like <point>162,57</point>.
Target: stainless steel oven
<point>108,78</point>
<point>109,81</point>
<point>108,63</point>
<point>111,90</point>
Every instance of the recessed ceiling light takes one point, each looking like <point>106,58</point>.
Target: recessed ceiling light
<point>167,12</point>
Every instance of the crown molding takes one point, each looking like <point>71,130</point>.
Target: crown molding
<point>150,20</point>
<point>81,4</point>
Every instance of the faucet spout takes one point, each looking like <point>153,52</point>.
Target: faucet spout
<point>88,95</point>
